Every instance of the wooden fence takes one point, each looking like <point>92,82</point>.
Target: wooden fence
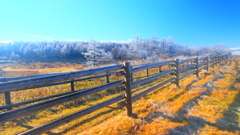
<point>177,70</point>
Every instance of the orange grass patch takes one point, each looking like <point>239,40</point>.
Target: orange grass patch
<point>211,107</point>
<point>226,82</point>
<point>204,80</point>
<point>158,126</point>
<point>178,103</point>
<point>116,126</point>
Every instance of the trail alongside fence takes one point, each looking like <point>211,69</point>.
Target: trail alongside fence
<point>177,70</point>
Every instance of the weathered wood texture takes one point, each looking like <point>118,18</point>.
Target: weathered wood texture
<point>128,85</point>
<point>34,82</point>
<point>27,82</point>
<point>58,122</point>
<point>20,112</point>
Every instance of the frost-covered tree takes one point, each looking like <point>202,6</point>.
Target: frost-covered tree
<point>14,56</point>
<point>95,55</point>
<point>96,52</point>
<point>221,49</point>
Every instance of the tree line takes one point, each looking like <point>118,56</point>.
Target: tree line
<point>97,52</point>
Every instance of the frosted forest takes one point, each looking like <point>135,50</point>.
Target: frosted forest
<point>95,52</point>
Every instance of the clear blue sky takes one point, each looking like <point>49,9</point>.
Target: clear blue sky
<point>188,22</point>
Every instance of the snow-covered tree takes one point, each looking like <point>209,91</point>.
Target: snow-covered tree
<point>95,55</point>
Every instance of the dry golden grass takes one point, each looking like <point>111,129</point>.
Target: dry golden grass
<point>210,130</point>
<point>157,111</point>
<point>204,81</point>
<point>211,107</point>
<point>163,111</point>
<point>22,69</point>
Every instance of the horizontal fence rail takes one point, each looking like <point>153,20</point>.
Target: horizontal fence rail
<point>151,78</point>
<point>152,65</point>
<point>186,60</point>
<point>35,82</point>
<point>13,114</point>
<point>56,123</point>
<point>175,70</point>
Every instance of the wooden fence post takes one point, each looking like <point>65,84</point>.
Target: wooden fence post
<point>177,72</point>
<point>220,59</point>
<point>207,63</point>
<point>159,69</point>
<point>147,71</point>
<point>196,67</point>
<point>107,78</point>
<point>72,86</point>
<point>128,90</point>
<point>214,61</point>
<point>8,99</point>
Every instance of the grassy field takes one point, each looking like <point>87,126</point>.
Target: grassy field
<point>209,104</point>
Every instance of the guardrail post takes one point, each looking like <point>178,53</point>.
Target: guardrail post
<point>128,90</point>
<point>196,67</point>
<point>207,63</point>
<point>177,72</point>
<point>72,86</point>
<point>107,78</point>
<point>8,99</point>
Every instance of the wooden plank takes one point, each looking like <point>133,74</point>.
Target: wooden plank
<point>74,80</point>
<point>148,75</point>
<point>151,89</point>
<point>152,65</point>
<point>34,100</point>
<point>159,69</point>
<point>202,58</point>
<point>72,86</point>
<point>26,84</point>
<point>137,83</point>
<point>177,72</point>
<point>128,85</point>
<point>147,72</point>
<point>201,64</point>
<point>186,60</point>
<point>7,99</point>
<point>107,78</point>
<point>20,112</point>
<point>197,66</point>
<point>207,63</point>
<point>186,68</point>
<point>187,74</point>
<point>139,65</point>
<point>204,67</point>
<point>63,120</point>
<point>26,77</point>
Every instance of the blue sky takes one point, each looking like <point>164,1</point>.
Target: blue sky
<point>188,22</point>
